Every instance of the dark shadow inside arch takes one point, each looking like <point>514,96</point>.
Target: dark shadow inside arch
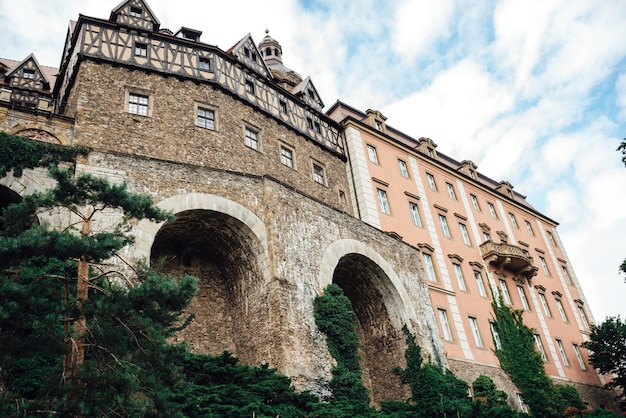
<point>232,304</point>
<point>7,197</point>
<point>381,343</point>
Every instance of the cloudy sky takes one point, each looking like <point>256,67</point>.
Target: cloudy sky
<point>534,92</point>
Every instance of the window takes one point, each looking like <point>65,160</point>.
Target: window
<point>246,51</point>
<point>206,118</point>
<point>529,227</point>
<point>583,316</point>
<point>486,237</point>
<point>544,264</point>
<point>249,85</point>
<point>458,273</point>
<point>544,304</point>
<point>444,226</point>
<point>415,214</point>
<point>430,267</point>
<point>430,152</point>
<point>382,201</point>
<point>540,349</point>
<point>475,202</point>
<point>551,238</point>
<point>451,193</point>
<point>371,153</point>
<point>309,123</point>
<point>318,127</point>
<point>311,93</point>
<point>579,357</point>
<point>480,284</point>
<point>141,50</point>
<point>522,405</point>
<point>465,234</point>
<point>282,105</point>
<point>286,156</point>
<point>318,173</point>
<point>431,181</point>
<point>445,326</point>
<point>472,174</point>
<point>404,171</point>
<point>566,275</point>
<point>136,12</point>
<point>138,104</point>
<point>475,332</point>
<point>379,126</point>
<point>513,220</point>
<point>252,139</point>
<point>496,336</point>
<point>522,296</point>
<point>505,292</point>
<point>559,346</point>
<point>204,64</point>
<point>28,73</point>
<point>492,210</point>
<point>561,309</point>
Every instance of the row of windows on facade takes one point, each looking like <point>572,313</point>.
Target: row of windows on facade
<point>432,184</point>
<point>205,118</point>
<point>447,335</point>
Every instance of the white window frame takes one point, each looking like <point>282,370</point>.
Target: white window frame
<point>319,175</point>
<point>529,227</point>
<point>504,289</point>
<point>249,86</point>
<point>443,221</point>
<point>138,104</point>
<point>445,324</point>
<point>28,73</point>
<point>204,63</point>
<point>496,337</point>
<point>404,169</point>
<point>141,49</point>
<point>492,210</point>
<point>566,275</point>
<point>539,346</point>
<point>415,214</point>
<point>551,238</point>
<point>579,357</point>
<point>465,234</point>
<point>429,265</point>
<point>475,331</point>
<point>544,264</point>
<point>522,405</point>
<point>583,316</point>
<point>522,296</point>
<point>286,156</point>
<point>513,220</point>
<point>561,349</point>
<point>432,184</point>
<point>561,308</point>
<point>251,138</point>
<point>480,284</point>
<point>383,202</point>
<point>544,304</point>
<point>202,117</point>
<point>475,202</point>
<point>372,155</point>
<point>136,12</point>
<point>451,192</point>
<point>458,274</point>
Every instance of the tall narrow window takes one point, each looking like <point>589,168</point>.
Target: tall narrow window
<point>445,326</point>
<point>205,118</point>
<point>551,238</point>
<point>561,309</point>
<point>249,86</point>
<point>475,332</point>
<point>568,279</point>
<point>431,181</point>
<point>529,227</point>
<point>444,226</point>
<point>522,405</point>
<point>544,304</point>
<point>513,220</point>
<point>372,154</point>
<point>282,106</point>
<point>138,104</point>
<point>496,336</point>
<point>475,202</point>
<point>505,292</point>
<point>458,273</point>
<point>522,296</point>
<point>579,357</point>
<point>492,210</point>
<point>382,201</point>
<point>415,214</point>
<point>404,171</point>
<point>465,234</point>
<point>480,284</point>
<point>451,193</point>
<point>318,174</point>
<point>486,237</point>
<point>559,346</point>
<point>583,316</point>
<point>286,156</point>
<point>430,267</point>
<point>544,264</point>
<point>252,140</point>
<point>539,346</point>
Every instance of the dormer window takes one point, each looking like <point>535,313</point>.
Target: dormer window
<point>379,125</point>
<point>246,52</point>
<point>311,93</point>
<point>136,12</point>
<point>27,73</point>
<point>430,152</point>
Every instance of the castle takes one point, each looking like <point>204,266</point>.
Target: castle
<point>275,199</point>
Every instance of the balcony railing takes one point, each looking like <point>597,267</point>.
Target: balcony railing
<point>509,257</point>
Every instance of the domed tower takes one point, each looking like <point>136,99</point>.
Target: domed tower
<point>272,53</point>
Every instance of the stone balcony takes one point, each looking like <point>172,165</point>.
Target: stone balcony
<point>511,258</point>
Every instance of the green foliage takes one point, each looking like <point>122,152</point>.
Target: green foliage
<point>607,345</point>
<point>19,153</point>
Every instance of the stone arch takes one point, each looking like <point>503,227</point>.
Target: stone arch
<point>381,306</point>
<point>37,131</point>
<point>224,244</point>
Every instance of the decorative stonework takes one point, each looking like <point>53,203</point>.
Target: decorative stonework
<point>509,257</point>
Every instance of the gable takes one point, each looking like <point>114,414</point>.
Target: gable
<point>308,93</point>
<point>28,74</point>
<point>248,54</point>
<point>136,14</point>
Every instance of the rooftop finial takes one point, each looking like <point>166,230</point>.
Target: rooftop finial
<point>267,31</point>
